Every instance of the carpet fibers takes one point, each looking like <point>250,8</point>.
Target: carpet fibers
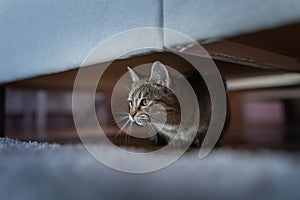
<point>31,170</point>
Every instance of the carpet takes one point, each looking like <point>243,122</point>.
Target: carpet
<point>31,170</point>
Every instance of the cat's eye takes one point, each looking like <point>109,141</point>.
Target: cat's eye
<point>145,102</point>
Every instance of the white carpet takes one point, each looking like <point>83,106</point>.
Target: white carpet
<point>41,171</point>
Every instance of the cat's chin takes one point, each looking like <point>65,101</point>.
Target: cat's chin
<point>141,123</point>
<point>142,120</point>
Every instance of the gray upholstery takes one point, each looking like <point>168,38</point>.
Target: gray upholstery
<point>212,19</point>
<point>42,37</point>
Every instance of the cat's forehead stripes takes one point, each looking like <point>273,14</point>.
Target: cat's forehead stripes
<point>136,94</point>
<point>145,90</point>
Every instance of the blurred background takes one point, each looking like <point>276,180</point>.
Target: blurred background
<point>264,105</point>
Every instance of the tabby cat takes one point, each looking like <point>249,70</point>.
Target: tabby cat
<point>151,96</point>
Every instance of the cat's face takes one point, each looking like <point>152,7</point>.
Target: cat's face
<point>150,97</point>
<point>140,101</point>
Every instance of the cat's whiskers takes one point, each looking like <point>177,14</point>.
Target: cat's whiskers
<point>128,134</point>
<point>121,119</point>
<point>120,116</point>
<point>116,120</point>
<point>122,128</point>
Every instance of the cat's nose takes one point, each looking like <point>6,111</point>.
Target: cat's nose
<point>133,112</point>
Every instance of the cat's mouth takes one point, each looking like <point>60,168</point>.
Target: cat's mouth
<point>141,120</point>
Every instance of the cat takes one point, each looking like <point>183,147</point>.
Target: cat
<point>151,96</point>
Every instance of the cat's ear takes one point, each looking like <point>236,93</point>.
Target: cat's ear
<point>133,75</point>
<point>160,74</point>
